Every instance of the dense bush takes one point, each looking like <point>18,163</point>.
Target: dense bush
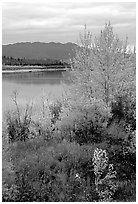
<point>126,191</point>
<point>84,123</point>
<point>121,136</point>
<point>55,110</point>
<point>42,171</point>
<point>18,126</point>
<point>58,172</point>
<point>9,189</point>
<point>18,122</point>
<point>124,108</point>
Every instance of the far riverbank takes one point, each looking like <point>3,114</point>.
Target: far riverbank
<point>11,69</point>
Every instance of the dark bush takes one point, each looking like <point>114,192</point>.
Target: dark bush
<point>121,136</point>
<point>126,191</point>
<point>124,108</point>
<point>83,126</point>
<point>121,150</point>
<point>87,132</point>
<point>9,189</point>
<point>61,172</point>
<point>18,124</point>
<point>55,110</point>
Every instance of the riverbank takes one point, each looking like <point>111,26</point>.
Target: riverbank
<point>12,69</point>
<point>31,70</point>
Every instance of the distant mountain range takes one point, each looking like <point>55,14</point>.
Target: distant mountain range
<point>39,50</point>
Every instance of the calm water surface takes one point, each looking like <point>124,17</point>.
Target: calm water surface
<point>31,86</point>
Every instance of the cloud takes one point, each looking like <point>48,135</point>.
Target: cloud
<point>62,21</point>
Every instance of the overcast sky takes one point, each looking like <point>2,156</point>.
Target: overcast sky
<point>63,21</point>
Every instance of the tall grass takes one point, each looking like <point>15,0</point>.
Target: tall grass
<point>18,123</point>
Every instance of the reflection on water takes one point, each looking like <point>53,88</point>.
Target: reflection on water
<point>50,77</point>
<point>31,86</point>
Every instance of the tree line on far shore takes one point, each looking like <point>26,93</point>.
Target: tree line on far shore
<point>8,60</point>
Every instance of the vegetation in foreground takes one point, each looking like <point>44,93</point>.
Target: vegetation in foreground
<point>82,148</point>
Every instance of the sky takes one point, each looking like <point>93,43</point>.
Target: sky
<point>63,21</point>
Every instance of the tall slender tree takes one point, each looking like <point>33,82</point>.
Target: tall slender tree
<point>103,67</point>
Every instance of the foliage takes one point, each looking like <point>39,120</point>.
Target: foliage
<point>9,194</point>
<point>83,127</point>
<point>121,136</point>
<point>102,67</point>
<point>42,172</point>
<point>9,189</point>
<point>54,172</point>
<point>122,150</point>
<point>124,108</point>
<point>104,70</point>
<point>77,142</point>
<point>18,124</point>
<point>101,70</point>
<point>55,110</point>
<point>105,185</point>
<point>84,121</point>
<point>126,191</point>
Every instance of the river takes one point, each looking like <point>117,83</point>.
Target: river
<point>31,86</point>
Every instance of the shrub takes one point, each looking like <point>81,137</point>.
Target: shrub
<point>18,125</point>
<point>9,189</point>
<point>121,137</point>
<point>9,194</point>
<point>124,108</point>
<point>105,185</point>
<point>126,191</point>
<point>43,121</point>
<point>84,124</point>
<point>122,149</point>
<point>54,172</point>
<point>46,173</point>
<point>55,110</point>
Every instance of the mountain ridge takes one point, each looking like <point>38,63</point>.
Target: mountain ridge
<point>40,50</point>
